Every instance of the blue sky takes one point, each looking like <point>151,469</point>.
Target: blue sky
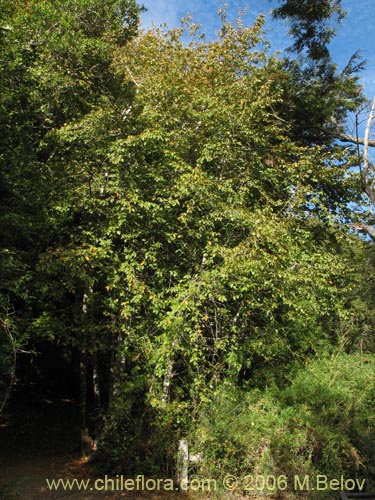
<point>356,32</point>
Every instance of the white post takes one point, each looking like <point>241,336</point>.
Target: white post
<point>183,459</point>
<point>182,465</point>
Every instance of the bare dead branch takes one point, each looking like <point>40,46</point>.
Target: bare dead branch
<point>365,228</point>
<point>132,77</point>
<point>355,140</point>
<point>366,157</point>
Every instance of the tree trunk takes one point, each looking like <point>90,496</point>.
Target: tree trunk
<point>167,381</point>
<point>83,365</point>
<point>117,369</point>
<point>83,362</point>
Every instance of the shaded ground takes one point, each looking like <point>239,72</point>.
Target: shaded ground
<point>38,441</point>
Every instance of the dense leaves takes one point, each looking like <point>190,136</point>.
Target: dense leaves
<point>175,211</point>
<point>56,76</point>
<point>311,24</point>
<point>314,427</point>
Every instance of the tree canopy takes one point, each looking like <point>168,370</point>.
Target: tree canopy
<point>179,213</point>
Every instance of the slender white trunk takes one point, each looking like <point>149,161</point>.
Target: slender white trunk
<point>167,381</point>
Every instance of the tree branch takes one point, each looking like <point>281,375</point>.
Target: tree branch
<point>13,348</point>
<point>355,140</point>
<point>365,228</point>
<point>132,77</point>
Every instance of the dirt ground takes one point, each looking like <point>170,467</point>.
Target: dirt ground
<point>39,442</point>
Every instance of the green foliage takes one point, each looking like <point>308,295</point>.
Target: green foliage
<point>56,77</point>
<point>360,320</point>
<point>321,424</point>
<point>318,99</point>
<point>311,24</point>
<point>123,446</point>
<point>235,267</point>
<point>171,213</point>
<point>318,96</point>
<point>11,342</point>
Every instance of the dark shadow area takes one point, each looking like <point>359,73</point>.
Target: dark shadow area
<point>39,427</point>
<point>42,415</point>
<point>53,371</point>
<point>40,433</point>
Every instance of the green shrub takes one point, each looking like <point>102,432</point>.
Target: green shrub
<point>138,437</point>
<point>323,423</point>
<point>120,448</point>
<point>336,401</point>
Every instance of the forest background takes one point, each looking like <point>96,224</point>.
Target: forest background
<point>181,225</point>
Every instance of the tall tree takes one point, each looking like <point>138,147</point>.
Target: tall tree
<point>311,25</point>
<point>189,216</point>
<point>58,82</point>
<point>319,96</point>
<point>234,221</point>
